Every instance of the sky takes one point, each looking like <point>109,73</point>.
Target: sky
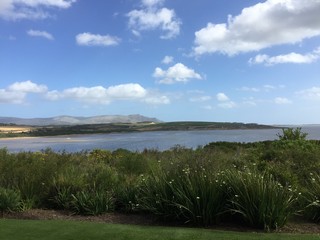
<point>247,61</point>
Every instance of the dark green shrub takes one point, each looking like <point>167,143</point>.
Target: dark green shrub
<point>290,134</point>
<point>10,200</point>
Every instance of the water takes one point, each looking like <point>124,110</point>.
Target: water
<point>161,140</point>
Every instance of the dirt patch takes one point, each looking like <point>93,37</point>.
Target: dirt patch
<point>294,226</point>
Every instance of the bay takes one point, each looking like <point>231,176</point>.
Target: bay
<point>138,141</point>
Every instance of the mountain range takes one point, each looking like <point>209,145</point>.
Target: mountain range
<point>71,120</point>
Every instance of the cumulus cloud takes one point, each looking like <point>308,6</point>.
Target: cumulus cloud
<point>272,22</point>
<point>176,73</point>
<point>224,101</point>
<point>282,100</point>
<point>286,58</point>
<point>310,93</point>
<point>27,87</point>
<point>89,39</point>
<point>221,97</point>
<point>31,9</point>
<point>167,60</point>
<point>43,34</point>
<point>11,97</point>
<point>103,95</point>
<point>152,17</point>
<point>17,92</point>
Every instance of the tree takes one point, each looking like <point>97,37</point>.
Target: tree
<point>290,134</point>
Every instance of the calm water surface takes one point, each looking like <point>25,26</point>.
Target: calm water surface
<point>161,140</point>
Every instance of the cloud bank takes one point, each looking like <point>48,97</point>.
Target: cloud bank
<point>263,25</point>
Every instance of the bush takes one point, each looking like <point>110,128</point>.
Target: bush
<point>92,202</point>
<point>291,134</point>
<point>9,200</point>
<point>312,199</point>
<point>194,196</point>
<point>260,200</point>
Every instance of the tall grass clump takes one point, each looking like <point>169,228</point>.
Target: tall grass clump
<point>84,188</point>
<point>193,196</point>
<point>259,200</point>
<point>10,200</point>
<point>92,202</point>
<point>312,198</point>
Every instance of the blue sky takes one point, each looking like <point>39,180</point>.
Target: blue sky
<point>207,60</point>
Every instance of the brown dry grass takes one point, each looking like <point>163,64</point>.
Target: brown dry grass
<point>14,129</point>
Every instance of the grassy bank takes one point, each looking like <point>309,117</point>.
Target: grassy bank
<point>259,185</point>
<point>63,230</point>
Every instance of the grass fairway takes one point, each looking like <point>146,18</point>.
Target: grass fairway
<point>67,230</point>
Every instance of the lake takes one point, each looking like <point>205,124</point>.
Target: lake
<point>160,140</point>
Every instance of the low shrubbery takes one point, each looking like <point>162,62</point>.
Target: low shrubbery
<point>10,200</point>
<point>258,184</point>
<point>259,199</point>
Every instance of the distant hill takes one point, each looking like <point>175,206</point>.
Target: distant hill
<point>70,120</point>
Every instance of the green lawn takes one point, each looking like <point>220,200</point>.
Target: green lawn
<point>65,230</point>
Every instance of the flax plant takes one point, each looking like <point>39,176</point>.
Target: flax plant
<point>260,200</point>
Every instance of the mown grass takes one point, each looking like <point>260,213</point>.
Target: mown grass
<point>67,230</point>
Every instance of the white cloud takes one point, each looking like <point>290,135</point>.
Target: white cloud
<point>36,33</point>
<point>89,39</point>
<point>30,9</point>
<point>260,26</point>
<point>282,100</point>
<point>167,60</point>
<point>151,17</point>
<point>152,3</point>
<point>310,93</point>
<point>126,91</point>
<point>249,89</point>
<point>224,101</point>
<point>221,97</point>
<point>27,87</point>
<point>11,97</point>
<point>102,95</point>
<point>286,58</point>
<point>17,92</point>
<point>155,100</point>
<point>176,73</point>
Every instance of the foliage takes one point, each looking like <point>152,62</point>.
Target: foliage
<point>291,134</point>
<point>10,200</point>
<point>180,184</point>
<point>92,202</point>
<point>259,199</point>
<point>191,195</point>
<point>312,198</point>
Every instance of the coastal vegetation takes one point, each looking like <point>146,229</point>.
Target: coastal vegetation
<point>11,130</point>
<point>261,185</point>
